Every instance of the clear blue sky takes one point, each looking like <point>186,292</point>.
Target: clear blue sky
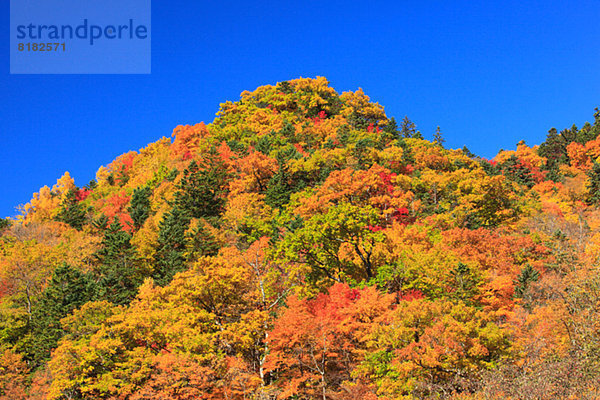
<point>489,73</point>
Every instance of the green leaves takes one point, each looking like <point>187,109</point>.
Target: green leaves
<point>72,211</point>
<point>68,289</point>
<point>525,279</point>
<point>338,245</point>
<point>139,208</point>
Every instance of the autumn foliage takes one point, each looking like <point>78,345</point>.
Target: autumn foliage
<point>304,245</point>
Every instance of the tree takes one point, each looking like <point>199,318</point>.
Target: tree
<point>68,289</point>
<point>425,348</point>
<point>13,376</point>
<point>5,223</point>
<point>279,188</point>
<point>71,211</point>
<point>202,187</point>
<point>438,138</point>
<point>200,194</point>
<point>593,185</point>
<point>170,254</point>
<point>139,208</point>
<point>527,276</point>
<point>408,129</point>
<point>315,344</point>
<point>338,245</point>
<point>119,273</point>
<point>514,169</point>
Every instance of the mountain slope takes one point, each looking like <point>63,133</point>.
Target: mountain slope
<point>303,245</point>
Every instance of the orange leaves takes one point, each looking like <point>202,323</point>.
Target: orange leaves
<point>582,156</point>
<point>502,253</point>
<point>314,342</point>
<point>254,172</point>
<point>175,377</point>
<point>13,376</point>
<point>428,155</point>
<point>116,207</point>
<point>188,139</point>
<point>181,377</point>
<point>375,187</point>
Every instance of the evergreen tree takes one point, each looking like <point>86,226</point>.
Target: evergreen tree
<point>468,152</point>
<point>390,131</point>
<point>100,223</point>
<point>202,187</point>
<point>5,223</point>
<point>200,194</point>
<point>593,186</point>
<point>465,281</point>
<point>71,211</point>
<point>139,208</point>
<point>408,129</point>
<point>515,170</point>
<point>438,137</point>
<point>527,276</point>
<point>554,148</point>
<point>200,243</point>
<point>68,289</point>
<point>170,254</point>
<point>279,187</point>
<point>119,274</point>
<point>288,131</point>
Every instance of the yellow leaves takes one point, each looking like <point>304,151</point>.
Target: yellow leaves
<point>359,102</point>
<point>44,205</point>
<point>262,121</point>
<point>63,185</point>
<point>321,129</point>
<point>247,332</point>
<point>428,155</point>
<point>431,340</point>
<point>150,160</point>
<point>145,241</point>
<point>247,214</point>
<point>24,266</point>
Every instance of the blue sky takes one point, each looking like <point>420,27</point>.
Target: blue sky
<point>489,73</point>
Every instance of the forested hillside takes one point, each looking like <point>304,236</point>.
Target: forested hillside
<point>304,245</point>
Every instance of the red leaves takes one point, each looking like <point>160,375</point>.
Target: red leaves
<point>372,128</point>
<point>408,169</point>
<point>412,294</point>
<point>315,342</point>
<point>128,160</point>
<point>387,181</point>
<point>116,207</point>
<point>320,117</point>
<point>82,194</point>
<point>300,149</point>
